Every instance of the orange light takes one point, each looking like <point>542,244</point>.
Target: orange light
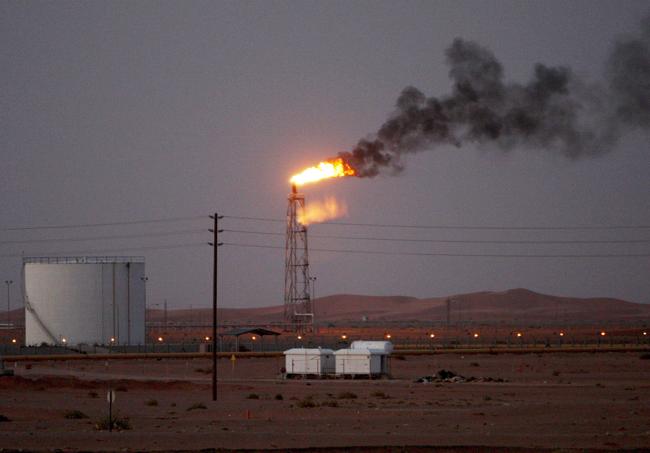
<point>476,335</point>
<point>332,168</point>
<point>112,339</point>
<point>160,339</point>
<point>645,333</point>
<point>388,336</point>
<point>207,338</point>
<point>300,337</point>
<point>603,333</point>
<point>519,334</point>
<point>254,338</point>
<point>561,334</point>
<point>63,340</point>
<point>344,337</point>
<point>13,340</point>
<point>321,211</point>
<point>433,335</point>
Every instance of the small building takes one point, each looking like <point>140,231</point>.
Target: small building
<point>253,333</point>
<point>364,358</point>
<point>313,362</point>
<point>379,347</point>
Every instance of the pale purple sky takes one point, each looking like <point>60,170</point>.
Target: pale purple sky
<point>119,111</point>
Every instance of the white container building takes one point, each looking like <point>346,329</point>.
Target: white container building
<point>369,358</point>
<point>378,347</point>
<point>84,300</point>
<point>303,361</point>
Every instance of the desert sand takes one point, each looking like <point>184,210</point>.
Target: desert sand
<point>547,401</point>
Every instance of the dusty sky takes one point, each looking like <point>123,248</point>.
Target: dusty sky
<point>122,111</point>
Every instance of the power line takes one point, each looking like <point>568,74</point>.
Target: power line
<point>94,225</point>
<point>465,227</point>
<point>454,241</point>
<point>98,238</point>
<point>120,236</point>
<point>467,255</point>
<point>115,250</point>
<point>261,219</point>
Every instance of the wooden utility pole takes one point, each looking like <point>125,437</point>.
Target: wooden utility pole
<point>215,245</point>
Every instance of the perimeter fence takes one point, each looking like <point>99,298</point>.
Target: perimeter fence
<point>284,342</point>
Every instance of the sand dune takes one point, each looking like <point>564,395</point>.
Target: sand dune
<point>514,305</point>
<point>511,305</point>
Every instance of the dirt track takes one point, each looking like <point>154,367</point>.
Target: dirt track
<point>578,400</point>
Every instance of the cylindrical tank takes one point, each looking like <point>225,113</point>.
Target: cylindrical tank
<point>84,300</point>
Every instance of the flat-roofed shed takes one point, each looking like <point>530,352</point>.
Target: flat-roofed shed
<point>254,331</point>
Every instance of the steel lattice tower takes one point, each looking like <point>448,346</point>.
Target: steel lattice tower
<point>298,308</point>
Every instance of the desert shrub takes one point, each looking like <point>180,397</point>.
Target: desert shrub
<point>4,418</point>
<point>119,424</point>
<point>196,406</point>
<point>151,402</point>
<point>645,356</point>
<point>347,396</point>
<point>279,397</point>
<point>93,394</point>
<point>379,394</point>
<point>253,396</point>
<point>307,402</point>
<point>75,414</point>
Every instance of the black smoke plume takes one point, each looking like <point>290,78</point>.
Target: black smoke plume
<point>555,110</point>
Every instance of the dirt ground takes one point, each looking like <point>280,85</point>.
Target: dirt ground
<point>549,401</point>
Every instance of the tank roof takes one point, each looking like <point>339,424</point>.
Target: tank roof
<point>81,259</point>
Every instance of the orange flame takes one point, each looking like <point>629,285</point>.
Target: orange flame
<point>332,168</point>
<point>318,211</point>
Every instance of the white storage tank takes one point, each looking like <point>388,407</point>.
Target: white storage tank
<point>303,361</point>
<point>84,300</point>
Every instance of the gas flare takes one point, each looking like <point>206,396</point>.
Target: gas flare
<point>331,168</point>
<point>320,211</point>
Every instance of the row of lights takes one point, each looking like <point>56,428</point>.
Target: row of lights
<point>345,337</point>
<point>475,335</point>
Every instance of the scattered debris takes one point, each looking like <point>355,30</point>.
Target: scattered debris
<point>449,376</point>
